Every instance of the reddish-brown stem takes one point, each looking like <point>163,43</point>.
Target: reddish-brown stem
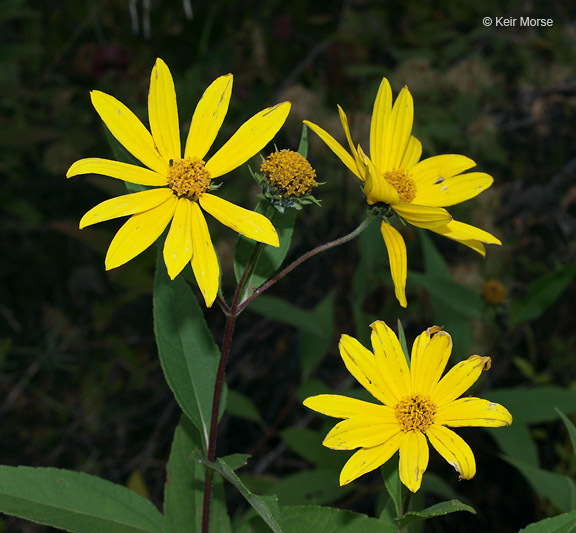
<point>305,257</point>
<point>226,342</point>
<point>232,313</point>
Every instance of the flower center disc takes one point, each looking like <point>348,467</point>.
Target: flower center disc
<point>188,178</point>
<point>415,413</point>
<point>403,183</point>
<point>289,172</point>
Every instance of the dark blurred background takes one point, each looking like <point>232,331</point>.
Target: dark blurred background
<point>80,383</point>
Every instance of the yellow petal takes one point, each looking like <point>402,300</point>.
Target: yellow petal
<point>380,115</point>
<point>459,379</point>
<point>429,359</point>
<point>361,364</point>
<point>118,170</point>
<point>414,455</point>
<point>461,232</point>
<point>208,117</point>
<point>376,188</point>
<point>412,154</point>
<point>337,148</point>
<point>129,131</point>
<point>477,246</point>
<point>359,162</point>
<point>178,244</point>
<point>248,223</point>
<point>440,167</point>
<point>390,359</point>
<point>128,204</point>
<point>250,138</point>
<point>398,260</point>
<point>453,190</point>
<point>139,232</point>
<point>397,133</point>
<point>367,459</point>
<point>473,412</point>
<point>163,112</point>
<point>423,216</point>
<point>362,432</point>
<point>343,407</point>
<point>454,449</point>
<point>204,259</point>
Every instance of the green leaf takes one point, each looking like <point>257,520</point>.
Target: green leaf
<point>563,523</point>
<point>286,313</point>
<point>183,492</point>
<point>121,154</point>
<point>402,339</point>
<point>307,443</point>
<point>438,486</point>
<point>265,506</point>
<point>314,346</point>
<point>458,297</point>
<point>303,146</point>
<point>188,354</point>
<point>311,487</point>
<point>74,501</point>
<point>269,259</point>
<point>439,509</point>
<point>241,406</point>
<point>559,489</point>
<point>532,405</point>
<point>312,519</point>
<point>315,519</point>
<point>535,404</point>
<point>516,440</point>
<point>392,482</point>
<point>236,460</point>
<point>570,427</point>
<point>436,267</point>
<point>542,294</point>
<point>434,262</point>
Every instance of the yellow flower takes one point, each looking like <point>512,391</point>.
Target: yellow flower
<point>494,292</point>
<point>289,173</point>
<point>416,404</point>
<point>181,184</point>
<point>417,191</point>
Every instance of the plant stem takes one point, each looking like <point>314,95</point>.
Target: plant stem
<point>404,528</point>
<point>232,313</point>
<point>322,248</point>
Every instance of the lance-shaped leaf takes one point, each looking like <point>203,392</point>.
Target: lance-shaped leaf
<point>439,509</point>
<point>265,506</point>
<point>183,492</point>
<point>315,519</point>
<point>188,354</point>
<point>563,523</point>
<point>395,489</point>
<point>74,501</point>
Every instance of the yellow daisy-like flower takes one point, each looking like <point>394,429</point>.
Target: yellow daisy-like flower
<point>416,404</point>
<point>415,190</point>
<point>181,184</point>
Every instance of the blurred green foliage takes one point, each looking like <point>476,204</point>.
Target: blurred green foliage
<point>80,378</point>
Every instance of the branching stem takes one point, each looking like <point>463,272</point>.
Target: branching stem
<point>232,312</point>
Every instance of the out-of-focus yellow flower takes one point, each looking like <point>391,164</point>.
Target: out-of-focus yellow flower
<point>396,181</point>
<point>181,184</point>
<point>416,404</point>
<point>494,292</point>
